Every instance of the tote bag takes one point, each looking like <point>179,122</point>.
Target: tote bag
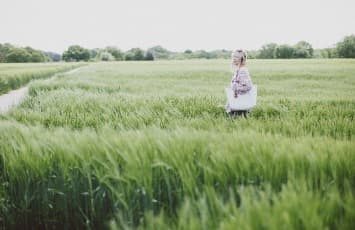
<point>243,102</point>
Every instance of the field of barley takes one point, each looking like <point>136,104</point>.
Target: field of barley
<point>148,145</point>
<point>13,76</point>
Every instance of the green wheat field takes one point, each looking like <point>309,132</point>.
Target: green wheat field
<point>148,145</point>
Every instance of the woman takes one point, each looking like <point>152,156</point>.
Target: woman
<point>241,82</point>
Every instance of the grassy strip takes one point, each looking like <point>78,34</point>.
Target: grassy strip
<point>78,109</point>
<point>51,177</point>
<point>12,77</point>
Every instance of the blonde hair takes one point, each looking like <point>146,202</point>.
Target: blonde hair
<point>239,57</point>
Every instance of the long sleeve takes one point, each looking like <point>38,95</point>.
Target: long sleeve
<point>241,82</point>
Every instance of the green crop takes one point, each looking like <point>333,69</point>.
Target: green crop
<point>148,145</point>
<point>13,76</point>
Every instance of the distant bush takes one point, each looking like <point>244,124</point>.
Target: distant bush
<point>329,53</point>
<point>222,53</point>
<point>115,52</point>
<point>303,49</point>
<point>267,51</point>
<point>18,55</point>
<point>346,47</point>
<point>203,54</point>
<point>134,54</point>
<point>94,53</point>
<point>105,56</point>
<point>284,51</point>
<point>159,52</point>
<point>36,55</point>
<point>148,56</point>
<point>10,53</point>
<point>76,53</point>
<point>4,50</point>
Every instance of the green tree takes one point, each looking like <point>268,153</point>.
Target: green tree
<point>303,49</point>
<point>116,53</point>
<point>105,56</point>
<point>17,55</point>
<point>10,53</point>
<point>284,51</point>
<point>149,56</point>
<point>330,53</point>
<point>225,54</point>
<point>346,47</point>
<point>94,53</point>
<point>267,51</point>
<point>159,52</point>
<point>4,50</point>
<point>136,54</point>
<point>76,53</point>
<point>202,54</point>
<point>36,55</point>
<point>2,53</point>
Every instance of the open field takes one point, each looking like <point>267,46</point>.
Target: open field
<point>13,76</point>
<point>148,145</point>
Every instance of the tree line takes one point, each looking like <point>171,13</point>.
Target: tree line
<point>9,53</point>
<point>110,53</point>
<point>343,49</point>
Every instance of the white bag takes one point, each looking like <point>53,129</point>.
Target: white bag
<point>243,102</point>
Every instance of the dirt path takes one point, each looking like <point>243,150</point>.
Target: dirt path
<point>14,97</point>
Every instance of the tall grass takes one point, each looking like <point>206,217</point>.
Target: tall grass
<point>13,76</point>
<point>148,146</point>
<point>83,178</point>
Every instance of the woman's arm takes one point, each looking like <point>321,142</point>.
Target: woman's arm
<point>234,86</point>
<point>241,84</point>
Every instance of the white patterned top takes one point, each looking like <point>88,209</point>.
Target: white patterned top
<point>241,82</point>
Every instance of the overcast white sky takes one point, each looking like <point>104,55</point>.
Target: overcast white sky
<point>175,24</point>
